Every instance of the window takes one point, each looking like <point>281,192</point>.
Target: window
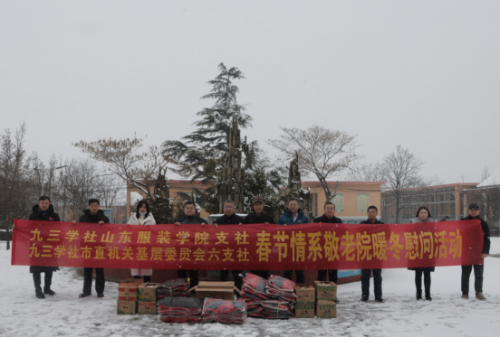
<point>338,201</point>
<point>362,202</point>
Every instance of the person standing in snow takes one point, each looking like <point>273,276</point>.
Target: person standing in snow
<point>230,218</point>
<point>328,217</point>
<point>293,215</point>
<point>142,217</point>
<point>423,216</point>
<point>43,211</point>
<point>377,273</point>
<point>189,218</point>
<point>93,215</point>
<point>474,211</point>
<point>258,216</point>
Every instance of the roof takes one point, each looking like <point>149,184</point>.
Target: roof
<point>333,183</point>
<point>441,186</point>
<point>492,180</point>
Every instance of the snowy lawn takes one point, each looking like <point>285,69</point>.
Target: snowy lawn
<point>447,315</point>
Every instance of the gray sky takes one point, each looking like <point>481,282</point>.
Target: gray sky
<point>423,74</point>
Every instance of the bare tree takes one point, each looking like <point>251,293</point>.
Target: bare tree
<point>401,171</point>
<point>485,174</point>
<point>367,172</point>
<point>125,159</point>
<point>321,151</point>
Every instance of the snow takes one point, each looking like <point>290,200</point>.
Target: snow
<point>492,180</point>
<point>66,315</point>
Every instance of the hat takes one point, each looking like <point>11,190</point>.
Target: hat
<point>473,206</point>
<point>256,200</point>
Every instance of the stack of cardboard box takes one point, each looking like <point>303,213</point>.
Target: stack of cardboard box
<point>146,299</point>
<point>127,296</point>
<point>326,295</point>
<point>306,300</point>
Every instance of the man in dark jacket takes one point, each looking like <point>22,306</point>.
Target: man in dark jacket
<point>293,215</point>
<point>328,217</point>
<point>230,218</point>
<point>474,211</point>
<point>189,218</point>
<point>377,273</point>
<point>93,215</point>
<point>259,217</point>
<point>43,211</point>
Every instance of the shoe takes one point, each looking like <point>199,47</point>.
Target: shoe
<point>480,297</point>
<point>364,299</point>
<point>380,300</point>
<point>428,296</point>
<point>48,291</point>
<point>419,295</point>
<point>465,296</point>
<point>82,295</point>
<point>100,295</point>
<point>39,294</point>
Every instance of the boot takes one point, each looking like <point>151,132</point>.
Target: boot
<point>137,277</point>
<point>419,294</point>
<point>428,295</point>
<point>38,282</point>
<point>47,284</point>
<point>147,278</point>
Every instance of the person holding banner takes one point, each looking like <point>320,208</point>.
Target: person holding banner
<point>230,218</point>
<point>142,217</point>
<point>189,218</point>
<point>259,217</point>
<point>474,211</point>
<point>293,215</point>
<point>43,211</point>
<point>93,215</point>
<point>423,216</point>
<point>328,217</point>
<point>377,273</point>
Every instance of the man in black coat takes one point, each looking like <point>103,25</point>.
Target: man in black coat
<point>474,211</point>
<point>328,217</point>
<point>189,218</point>
<point>230,218</point>
<point>259,217</point>
<point>93,215</point>
<point>377,273</point>
<point>43,211</point>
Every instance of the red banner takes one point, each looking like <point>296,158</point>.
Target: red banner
<point>247,247</point>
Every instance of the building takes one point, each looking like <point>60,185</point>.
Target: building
<point>441,200</point>
<point>352,199</point>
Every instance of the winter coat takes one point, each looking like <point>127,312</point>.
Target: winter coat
<point>418,220</point>
<point>93,218</point>
<point>254,218</point>
<point>486,233</point>
<point>287,218</point>
<point>190,220</point>
<point>144,221</point>
<point>229,220</point>
<point>141,220</point>
<point>324,219</point>
<point>48,215</point>
<point>368,222</point>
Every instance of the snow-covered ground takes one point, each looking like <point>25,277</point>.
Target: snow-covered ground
<point>21,314</point>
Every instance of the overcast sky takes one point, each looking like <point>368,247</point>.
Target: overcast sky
<point>422,74</point>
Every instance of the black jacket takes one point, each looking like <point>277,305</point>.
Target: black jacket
<point>231,220</point>
<point>324,219</point>
<point>48,215</point>
<point>93,218</point>
<point>261,218</point>
<point>486,233</point>
<point>368,222</point>
<point>190,220</point>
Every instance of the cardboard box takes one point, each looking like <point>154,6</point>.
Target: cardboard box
<point>126,307</point>
<point>305,293</point>
<point>305,309</point>
<point>146,292</point>
<point>220,290</point>
<point>326,309</point>
<point>325,290</point>
<point>147,308</point>
<point>127,290</point>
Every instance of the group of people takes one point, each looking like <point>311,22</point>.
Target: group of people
<point>293,215</point>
